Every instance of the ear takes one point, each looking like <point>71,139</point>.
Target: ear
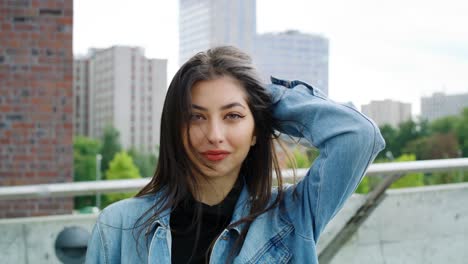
<point>254,141</point>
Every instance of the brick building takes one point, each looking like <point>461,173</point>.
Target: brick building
<point>36,101</point>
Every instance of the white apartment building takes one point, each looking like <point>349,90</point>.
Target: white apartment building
<point>441,105</point>
<point>388,112</point>
<point>293,55</point>
<point>207,23</point>
<point>126,91</point>
<point>81,97</point>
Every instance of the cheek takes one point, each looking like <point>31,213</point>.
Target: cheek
<point>196,136</point>
<point>242,137</point>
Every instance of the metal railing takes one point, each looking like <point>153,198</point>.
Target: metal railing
<point>95,187</point>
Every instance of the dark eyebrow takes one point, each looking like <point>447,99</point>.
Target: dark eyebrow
<point>224,107</point>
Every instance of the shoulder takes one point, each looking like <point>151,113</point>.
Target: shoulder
<point>125,213</point>
<point>115,228</point>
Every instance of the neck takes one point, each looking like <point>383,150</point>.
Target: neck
<point>213,191</point>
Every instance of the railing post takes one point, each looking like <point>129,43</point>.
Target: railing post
<point>98,178</point>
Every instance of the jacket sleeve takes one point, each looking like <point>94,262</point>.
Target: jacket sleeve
<point>95,252</point>
<point>347,140</point>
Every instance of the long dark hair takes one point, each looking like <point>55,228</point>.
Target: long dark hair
<point>174,175</point>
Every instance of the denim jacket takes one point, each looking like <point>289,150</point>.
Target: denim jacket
<point>348,142</point>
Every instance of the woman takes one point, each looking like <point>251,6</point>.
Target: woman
<point>211,198</point>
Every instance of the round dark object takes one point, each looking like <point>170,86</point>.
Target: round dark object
<point>71,245</point>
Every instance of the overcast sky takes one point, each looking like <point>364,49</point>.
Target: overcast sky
<point>399,49</point>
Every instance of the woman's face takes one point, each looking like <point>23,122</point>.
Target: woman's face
<point>221,128</point>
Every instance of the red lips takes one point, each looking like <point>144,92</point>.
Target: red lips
<point>215,155</point>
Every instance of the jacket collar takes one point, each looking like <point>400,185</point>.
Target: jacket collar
<point>241,209</point>
<point>164,216</point>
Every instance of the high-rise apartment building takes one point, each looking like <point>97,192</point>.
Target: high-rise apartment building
<point>388,112</point>
<point>36,102</point>
<point>289,55</point>
<point>126,91</point>
<point>207,23</point>
<point>293,55</point>
<point>441,105</point>
<point>81,96</point>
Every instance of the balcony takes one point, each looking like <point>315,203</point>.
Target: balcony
<point>410,225</point>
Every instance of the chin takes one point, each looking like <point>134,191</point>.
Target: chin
<point>216,173</point>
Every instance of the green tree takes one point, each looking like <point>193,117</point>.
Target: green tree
<point>411,179</point>
<point>363,187</point>
<point>145,162</point>
<point>459,125</point>
<point>121,167</point>
<point>408,131</point>
<point>445,125</point>
<point>462,132</point>
<point>312,154</point>
<point>445,177</point>
<point>437,146</point>
<point>84,169</point>
<point>389,134</point>
<point>110,146</point>
<point>299,160</point>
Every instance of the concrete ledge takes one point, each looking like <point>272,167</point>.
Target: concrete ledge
<point>32,239</point>
<point>411,225</point>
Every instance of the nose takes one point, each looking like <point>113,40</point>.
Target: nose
<point>215,133</point>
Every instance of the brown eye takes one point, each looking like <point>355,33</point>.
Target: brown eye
<point>196,117</point>
<point>234,116</point>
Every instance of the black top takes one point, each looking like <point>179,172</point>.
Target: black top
<point>213,221</point>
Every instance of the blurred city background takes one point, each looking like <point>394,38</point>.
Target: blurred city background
<point>82,84</point>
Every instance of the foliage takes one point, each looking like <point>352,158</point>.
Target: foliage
<point>462,132</point>
<point>397,138</point>
<point>445,125</point>
<point>445,177</point>
<point>424,128</point>
<point>363,187</point>
<point>121,167</point>
<point>389,134</point>
<point>437,146</point>
<point>446,137</point>
<point>312,154</point>
<point>84,158</point>
<point>299,160</point>
<point>145,162</point>
<point>110,146</point>
<point>407,132</point>
<point>411,179</point>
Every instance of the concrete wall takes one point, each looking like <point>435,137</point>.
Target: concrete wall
<point>32,240</point>
<point>414,225</point>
